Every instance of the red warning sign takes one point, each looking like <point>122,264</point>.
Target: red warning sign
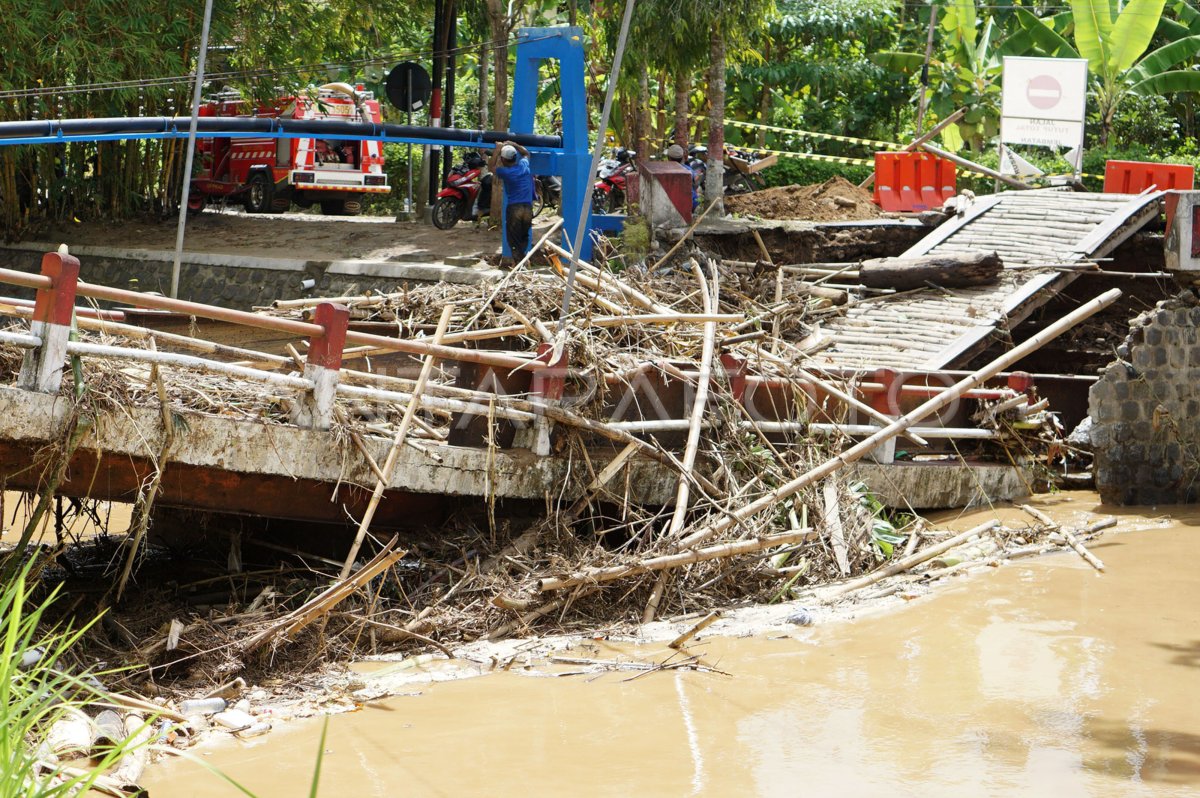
<point>1043,91</point>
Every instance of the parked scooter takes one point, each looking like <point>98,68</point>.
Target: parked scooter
<point>608,194</point>
<point>456,201</point>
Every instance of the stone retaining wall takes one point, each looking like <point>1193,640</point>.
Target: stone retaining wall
<point>236,281</point>
<point>1145,410</point>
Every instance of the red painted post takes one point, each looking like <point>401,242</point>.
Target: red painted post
<point>887,401</point>
<point>551,382</point>
<point>326,350</point>
<point>1022,382</point>
<point>735,370</point>
<point>323,366</point>
<point>53,311</point>
<point>548,384</point>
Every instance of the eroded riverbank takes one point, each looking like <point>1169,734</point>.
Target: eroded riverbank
<point>1041,677</point>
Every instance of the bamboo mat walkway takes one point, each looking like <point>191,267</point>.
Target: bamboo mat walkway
<point>939,328</point>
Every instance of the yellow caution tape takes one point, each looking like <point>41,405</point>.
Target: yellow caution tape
<point>814,134</point>
<point>812,156</point>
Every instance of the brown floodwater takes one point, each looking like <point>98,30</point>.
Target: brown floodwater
<point>1039,678</point>
<point>17,508</point>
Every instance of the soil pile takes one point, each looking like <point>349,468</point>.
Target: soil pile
<point>835,200</point>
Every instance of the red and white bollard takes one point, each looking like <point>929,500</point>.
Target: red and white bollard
<point>548,384</point>
<point>323,367</point>
<point>53,310</point>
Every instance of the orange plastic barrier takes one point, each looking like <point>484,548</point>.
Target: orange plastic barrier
<point>1134,177</point>
<point>913,181</point>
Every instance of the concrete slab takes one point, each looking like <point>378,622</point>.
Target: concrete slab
<point>281,471</point>
<point>939,486</point>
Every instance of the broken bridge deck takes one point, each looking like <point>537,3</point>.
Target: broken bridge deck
<point>1036,233</point>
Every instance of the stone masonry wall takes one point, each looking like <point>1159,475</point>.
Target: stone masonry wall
<point>234,281</point>
<point>1145,410</point>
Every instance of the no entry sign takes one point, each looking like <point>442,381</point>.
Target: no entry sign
<point>1043,101</point>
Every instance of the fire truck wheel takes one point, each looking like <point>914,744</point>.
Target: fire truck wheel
<point>258,193</point>
<point>341,207</point>
<point>196,204</point>
<point>445,213</point>
<point>280,203</point>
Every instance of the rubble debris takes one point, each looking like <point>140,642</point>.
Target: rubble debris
<point>760,513</point>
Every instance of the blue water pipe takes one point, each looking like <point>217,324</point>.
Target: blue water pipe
<point>567,156</point>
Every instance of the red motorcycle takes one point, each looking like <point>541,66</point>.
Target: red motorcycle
<point>456,201</point>
<point>608,194</point>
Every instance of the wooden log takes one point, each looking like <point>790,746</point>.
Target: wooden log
<point>719,551</point>
<point>949,271</point>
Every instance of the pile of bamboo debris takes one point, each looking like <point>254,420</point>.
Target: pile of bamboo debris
<point>760,513</point>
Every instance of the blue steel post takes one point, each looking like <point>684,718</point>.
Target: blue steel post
<point>573,162</point>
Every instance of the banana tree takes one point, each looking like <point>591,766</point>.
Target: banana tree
<point>1115,47</point>
<point>966,74</point>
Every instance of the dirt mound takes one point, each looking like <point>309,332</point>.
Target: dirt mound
<point>835,200</point>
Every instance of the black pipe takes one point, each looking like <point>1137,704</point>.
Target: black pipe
<point>451,24</point>
<point>320,128</point>
<point>435,107</point>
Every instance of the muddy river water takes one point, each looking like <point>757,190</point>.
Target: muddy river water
<point>1041,677</point>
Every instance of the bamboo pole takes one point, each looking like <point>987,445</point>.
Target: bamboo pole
<point>1068,535</point>
<point>687,234</point>
<point>719,551</point>
<point>389,464</point>
<point>858,451</point>
<point>709,291</point>
<point>929,136</point>
<point>974,167</point>
<point>908,563</point>
<point>629,292</point>
<point>297,619</point>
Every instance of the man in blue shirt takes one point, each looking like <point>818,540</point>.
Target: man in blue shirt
<point>518,194</point>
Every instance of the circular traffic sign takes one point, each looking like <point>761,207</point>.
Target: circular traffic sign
<point>1043,92</point>
<point>408,86</point>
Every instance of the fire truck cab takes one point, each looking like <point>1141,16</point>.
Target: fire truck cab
<point>268,174</point>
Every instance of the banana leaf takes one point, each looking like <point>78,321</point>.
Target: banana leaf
<point>1165,57</point>
<point>1132,33</point>
<point>1043,36</point>
<point>904,63</point>
<point>1167,83</point>
<point>1093,24</point>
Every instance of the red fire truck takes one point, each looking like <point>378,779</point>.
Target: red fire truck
<point>268,174</point>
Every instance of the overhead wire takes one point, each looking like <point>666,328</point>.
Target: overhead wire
<point>264,72</point>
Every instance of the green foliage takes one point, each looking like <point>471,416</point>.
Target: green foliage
<point>884,535</point>
<point>33,697</point>
<point>794,171</point>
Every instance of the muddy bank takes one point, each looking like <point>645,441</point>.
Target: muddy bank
<point>1040,677</point>
<point>801,242</point>
<point>835,200</point>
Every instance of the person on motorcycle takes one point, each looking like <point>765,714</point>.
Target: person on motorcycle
<point>514,172</point>
<point>676,154</point>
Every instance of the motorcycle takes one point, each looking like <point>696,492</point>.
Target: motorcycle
<point>736,181</point>
<point>547,193</point>
<point>608,193</point>
<point>456,201</point>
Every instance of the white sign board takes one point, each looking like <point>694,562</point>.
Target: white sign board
<point>1044,103</point>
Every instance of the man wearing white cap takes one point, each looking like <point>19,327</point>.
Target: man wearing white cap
<point>518,194</point>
